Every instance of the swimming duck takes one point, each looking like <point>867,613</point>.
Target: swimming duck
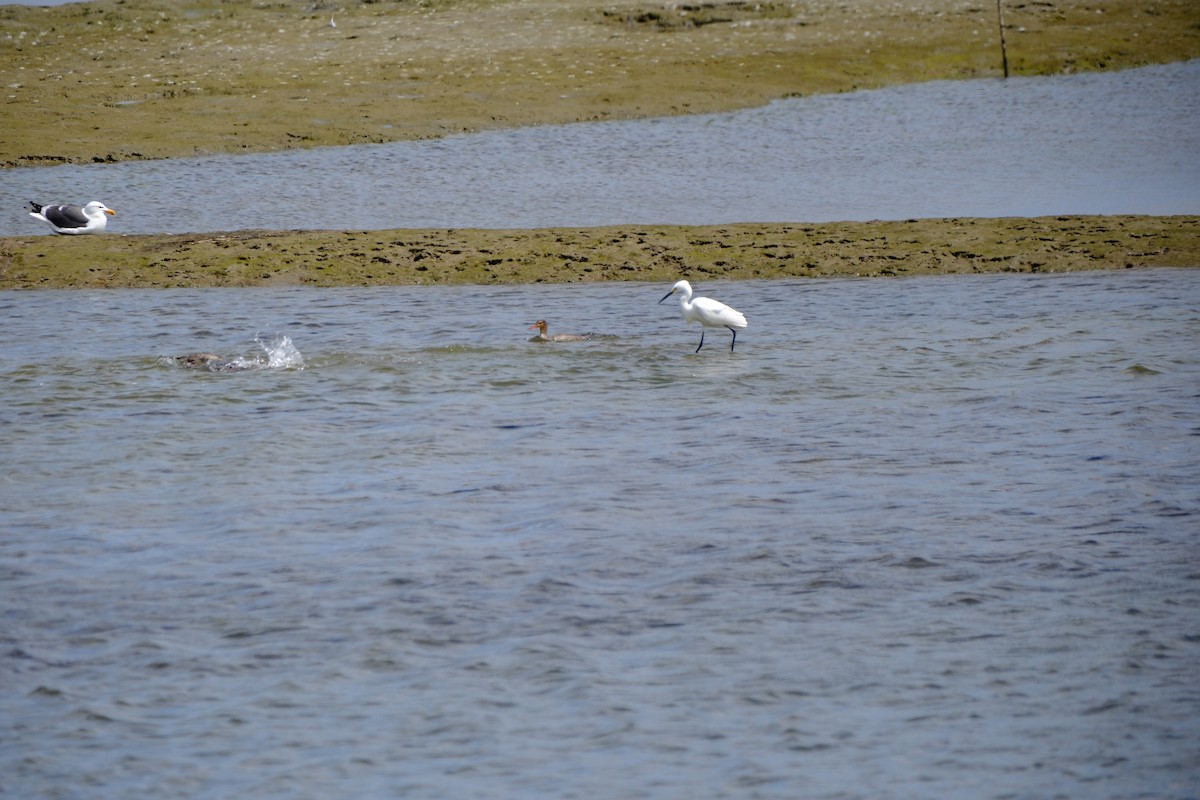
<point>542,336</point>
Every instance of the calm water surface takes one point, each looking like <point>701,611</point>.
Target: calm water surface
<point>918,538</point>
<point>1108,143</point>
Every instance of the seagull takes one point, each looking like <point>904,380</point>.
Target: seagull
<point>542,336</point>
<point>709,313</point>
<point>73,219</point>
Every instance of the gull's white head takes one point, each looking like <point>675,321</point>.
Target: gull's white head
<point>95,208</point>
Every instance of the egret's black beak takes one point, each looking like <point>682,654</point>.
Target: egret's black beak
<point>665,296</point>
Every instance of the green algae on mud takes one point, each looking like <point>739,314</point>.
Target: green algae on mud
<point>112,80</point>
<point>628,252</point>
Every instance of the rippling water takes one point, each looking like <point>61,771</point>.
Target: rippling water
<point>914,538</point>
<point>1107,143</point>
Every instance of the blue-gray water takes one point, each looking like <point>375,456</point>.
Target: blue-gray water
<point>1108,143</point>
<point>915,538</point>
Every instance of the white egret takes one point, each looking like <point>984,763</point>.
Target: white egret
<point>709,313</point>
<point>73,219</point>
<point>542,336</point>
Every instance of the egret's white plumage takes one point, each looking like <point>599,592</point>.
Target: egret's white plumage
<point>708,312</point>
<point>73,219</point>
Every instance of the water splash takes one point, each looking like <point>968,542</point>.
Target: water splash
<point>280,352</point>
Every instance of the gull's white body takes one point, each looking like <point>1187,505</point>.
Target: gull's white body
<point>708,312</point>
<point>73,219</point>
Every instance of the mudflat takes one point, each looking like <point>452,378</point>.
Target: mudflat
<point>113,80</point>
<point>629,252</point>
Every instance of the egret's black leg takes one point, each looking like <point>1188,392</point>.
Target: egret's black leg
<point>701,340</point>
<point>731,344</point>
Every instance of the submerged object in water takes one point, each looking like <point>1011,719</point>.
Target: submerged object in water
<point>278,353</point>
<point>211,362</point>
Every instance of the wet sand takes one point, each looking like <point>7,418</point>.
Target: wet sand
<point>630,252</point>
<point>112,80</point>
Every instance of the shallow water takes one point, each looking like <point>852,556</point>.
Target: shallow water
<point>1109,143</point>
<point>915,538</point>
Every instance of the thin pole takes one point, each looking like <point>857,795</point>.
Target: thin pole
<point>1003,46</point>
